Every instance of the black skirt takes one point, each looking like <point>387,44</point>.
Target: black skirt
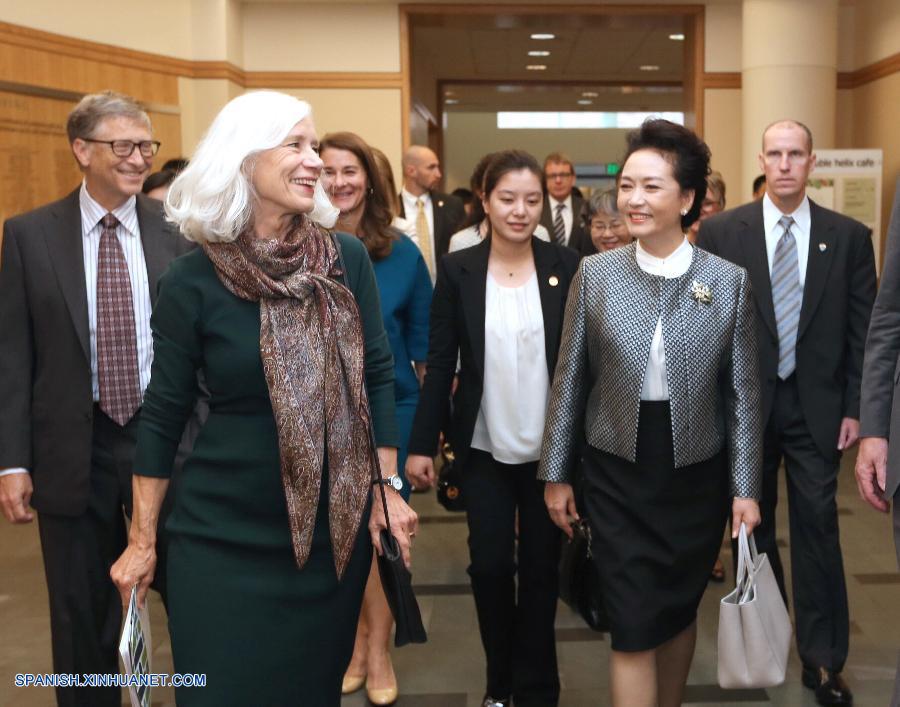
<point>657,532</point>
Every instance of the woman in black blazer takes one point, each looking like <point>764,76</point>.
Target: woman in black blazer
<point>498,309</point>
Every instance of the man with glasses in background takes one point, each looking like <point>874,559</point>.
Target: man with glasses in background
<point>562,206</point>
<point>813,277</point>
<point>78,279</point>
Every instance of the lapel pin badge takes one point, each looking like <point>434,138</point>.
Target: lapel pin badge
<point>440,204</point>
<point>554,281</point>
<point>823,247</point>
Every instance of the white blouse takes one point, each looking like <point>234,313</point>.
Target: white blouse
<point>516,389</point>
<point>655,385</point>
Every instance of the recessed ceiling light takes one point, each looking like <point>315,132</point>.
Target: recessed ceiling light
<point>589,94</point>
<point>536,67</point>
<point>585,102</point>
<point>678,37</point>
<point>535,52</point>
<point>649,67</point>
<point>451,102</point>
<point>543,35</point>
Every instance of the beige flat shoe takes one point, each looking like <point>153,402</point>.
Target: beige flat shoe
<point>382,695</point>
<point>352,683</point>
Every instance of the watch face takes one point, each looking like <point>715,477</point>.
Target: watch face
<point>397,483</point>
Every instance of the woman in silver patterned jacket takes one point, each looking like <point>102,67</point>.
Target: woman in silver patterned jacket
<point>658,373</point>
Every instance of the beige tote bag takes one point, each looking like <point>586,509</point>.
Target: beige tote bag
<point>754,626</point>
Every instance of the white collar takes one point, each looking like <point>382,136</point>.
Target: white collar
<point>410,199</point>
<point>772,214</point>
<point>675,265</point>
<point>567,201</point>
<point>92,212</point>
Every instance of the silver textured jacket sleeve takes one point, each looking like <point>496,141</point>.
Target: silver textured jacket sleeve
<point>743,405</point>
<point>563,430</point>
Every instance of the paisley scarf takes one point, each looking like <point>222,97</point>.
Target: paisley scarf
<point>313,356</point>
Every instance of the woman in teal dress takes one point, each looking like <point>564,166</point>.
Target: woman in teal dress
<point>358,188</point>
<point>269,554</point>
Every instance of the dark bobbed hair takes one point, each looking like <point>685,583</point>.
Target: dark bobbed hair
<point>687,153</point>
<point>476,184</point>
<point>758,182</point>
<point>375,226</point>
<point>163,178</point>
<point>176,164</point>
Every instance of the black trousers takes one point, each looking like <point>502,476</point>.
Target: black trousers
<point>517,627</point>
<point>819,592</point>
<point>85,608</point>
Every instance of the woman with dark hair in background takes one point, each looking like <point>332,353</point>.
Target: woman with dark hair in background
<point>658,371</point>
<point>476,226</point>
<point>156,185</point>
<point>600,217</point>
<point>358,188</point>
<point>498,307</point>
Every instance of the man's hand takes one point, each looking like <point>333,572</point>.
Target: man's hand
<point>871,472</point>
<point>849,434</point>
<point>15,495</point>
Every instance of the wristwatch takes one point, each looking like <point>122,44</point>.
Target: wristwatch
<point>394,481</point>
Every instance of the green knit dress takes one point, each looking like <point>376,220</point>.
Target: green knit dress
<point>263,632</point>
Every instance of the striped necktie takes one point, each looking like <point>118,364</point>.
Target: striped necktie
<point>559,226</point>
<point>787,296</point>
<point>117,361</point>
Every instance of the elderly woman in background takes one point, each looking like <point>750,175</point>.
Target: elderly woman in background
<point>713,203</point>
<point>358,188</point>
<point>600,216</point>
<point>269,552</point>
<point>477,223</point>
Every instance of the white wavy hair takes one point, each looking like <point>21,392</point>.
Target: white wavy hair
<point>212,199</point>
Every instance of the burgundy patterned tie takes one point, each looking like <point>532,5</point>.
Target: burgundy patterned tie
<point>117,364</point>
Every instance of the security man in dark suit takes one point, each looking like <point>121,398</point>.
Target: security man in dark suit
<point>813,277</point>
<point>563,206</point>
<point>437,216</point>
<point>77,283</point>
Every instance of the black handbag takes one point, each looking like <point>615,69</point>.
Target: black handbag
<point>579,580</point>
<point>449,482</point>
<point>396,580</point>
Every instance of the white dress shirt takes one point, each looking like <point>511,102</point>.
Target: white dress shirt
<point>567,215</point>
<point>800,229</point>
<point>129,234</point>
<point>516,390</point>
<point>656,387</point>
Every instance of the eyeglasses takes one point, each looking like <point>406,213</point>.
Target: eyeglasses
<point>552,176</point>
<point>124,148</point>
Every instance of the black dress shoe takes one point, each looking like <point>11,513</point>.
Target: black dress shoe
<point>828,685</point>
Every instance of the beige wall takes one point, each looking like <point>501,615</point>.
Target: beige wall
<point>723,135</point>
<point>321,37</point>
<point>876,30</point>
<point>723,39</point>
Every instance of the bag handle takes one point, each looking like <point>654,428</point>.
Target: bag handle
<point>748,560</point>
<point>376,467</point>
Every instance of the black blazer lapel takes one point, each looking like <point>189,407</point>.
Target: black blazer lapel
<point>66,251</point>
<point>821,233</point>
<point>156,253</point>
<point>552,287</point>
<point>472,291</point>
<point>753,241</point>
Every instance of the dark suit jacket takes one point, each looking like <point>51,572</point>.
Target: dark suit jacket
<point>879,406</point>
<point>46,404</point>
<point>449,215</point>
<point>834,315</point>
<point>457,326</point>
<point>580,239</point>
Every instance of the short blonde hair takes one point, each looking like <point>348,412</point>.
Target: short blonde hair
<point>212,199</point>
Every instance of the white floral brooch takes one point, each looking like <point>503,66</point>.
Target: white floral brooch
<point>700,292</point>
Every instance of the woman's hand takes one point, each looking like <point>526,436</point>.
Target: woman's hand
<point>560,500</point>
<point>404,521</point>
<point>746,511</point>
<point>135,566</point>
<point>420,471</point>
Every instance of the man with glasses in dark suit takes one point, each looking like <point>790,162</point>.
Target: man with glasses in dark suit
<point>563,205</point>
<point>77,283</point>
